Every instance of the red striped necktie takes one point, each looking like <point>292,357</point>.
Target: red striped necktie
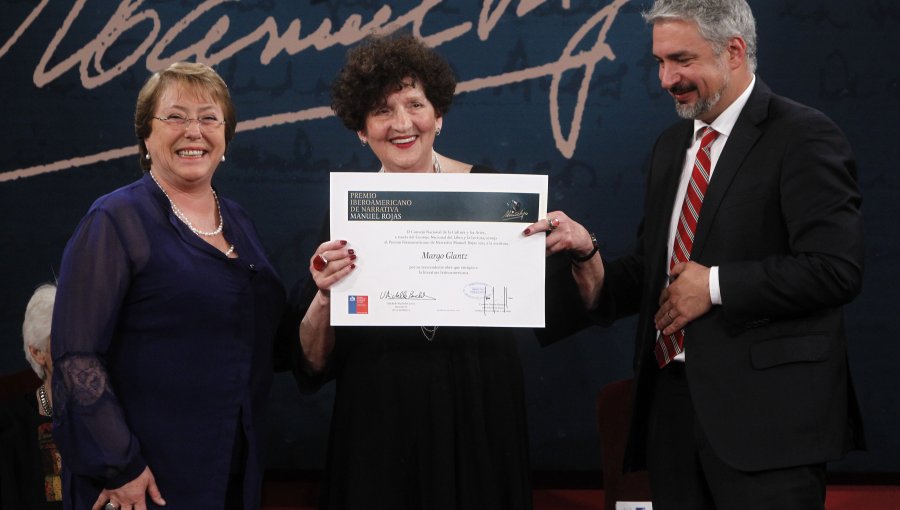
<point>669,346</point>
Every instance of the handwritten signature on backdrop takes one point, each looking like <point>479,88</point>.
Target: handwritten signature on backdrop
<point>158,55</point>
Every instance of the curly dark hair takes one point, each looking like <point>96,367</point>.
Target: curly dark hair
<point>378,67</point>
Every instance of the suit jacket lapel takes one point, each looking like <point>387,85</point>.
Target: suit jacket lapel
<point>664,201</point>
<point>741,140</point>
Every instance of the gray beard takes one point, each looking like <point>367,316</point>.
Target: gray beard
<point>703,105</point>
<point>692,111</point>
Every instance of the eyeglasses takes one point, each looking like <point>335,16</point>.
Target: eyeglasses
<point>180,121</point>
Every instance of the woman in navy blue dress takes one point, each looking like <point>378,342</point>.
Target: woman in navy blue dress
<point>165,319</point>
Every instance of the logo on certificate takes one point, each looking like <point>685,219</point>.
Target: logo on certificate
<point>357,305</point>
<point>514,211</point>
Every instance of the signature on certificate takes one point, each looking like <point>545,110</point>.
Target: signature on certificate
<point>406,295</point>
<point>493,299</point>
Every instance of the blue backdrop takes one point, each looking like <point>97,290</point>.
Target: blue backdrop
<point>565,88</point>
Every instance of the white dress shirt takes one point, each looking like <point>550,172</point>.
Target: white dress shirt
<point>724,123</point>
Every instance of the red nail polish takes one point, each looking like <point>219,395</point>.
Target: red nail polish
<point>343,243</point>
<point>527,231</point>
<point>352,257</point>
<point>351,251</point>
<point>352,266</point>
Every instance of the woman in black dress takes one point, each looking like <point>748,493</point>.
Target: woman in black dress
<point>424,417</point>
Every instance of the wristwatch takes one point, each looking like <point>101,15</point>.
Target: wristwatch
<point>589,255</point>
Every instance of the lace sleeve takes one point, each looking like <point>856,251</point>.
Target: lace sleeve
<point>89,425</point>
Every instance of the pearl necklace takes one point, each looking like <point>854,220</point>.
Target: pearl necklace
<point>181,216</point>
<point>45,401</point>
<point>427,332</point>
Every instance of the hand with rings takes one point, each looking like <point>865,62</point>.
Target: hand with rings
<point>665,319</point>
<point>552,224</point>
<point>567,234</point>
<point>331,262</point>
<point>686,298</point>
<point>319,261</point>
<point>132,495</point>
<point>666,315</point>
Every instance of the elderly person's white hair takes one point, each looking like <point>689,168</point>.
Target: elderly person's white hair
<point>36,326</point>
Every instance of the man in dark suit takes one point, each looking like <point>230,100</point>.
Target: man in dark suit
<point>750,244</point>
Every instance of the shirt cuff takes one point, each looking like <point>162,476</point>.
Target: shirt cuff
<point>715,295</point>
<point>127,474</point>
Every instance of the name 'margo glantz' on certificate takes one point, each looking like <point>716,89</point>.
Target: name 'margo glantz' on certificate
<point>439,249</point>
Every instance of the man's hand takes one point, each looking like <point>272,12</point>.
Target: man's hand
<point>685,299</point>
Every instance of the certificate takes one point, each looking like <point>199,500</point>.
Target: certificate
<point>439,249</point>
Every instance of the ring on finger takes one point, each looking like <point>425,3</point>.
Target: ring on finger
<point>320,262</point>
<point>110,506</point>
<point>669,315</point>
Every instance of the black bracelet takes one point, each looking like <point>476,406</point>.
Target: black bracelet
<point>587,257</point>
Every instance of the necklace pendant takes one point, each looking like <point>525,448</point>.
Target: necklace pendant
<point>429,333</point>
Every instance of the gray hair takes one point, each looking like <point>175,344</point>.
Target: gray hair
<point>717,20</point>
<point>36,327</point>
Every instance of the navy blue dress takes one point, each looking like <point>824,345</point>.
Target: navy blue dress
<point>162,350</point>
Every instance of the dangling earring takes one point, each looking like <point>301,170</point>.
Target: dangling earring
<point>147,156</point>
<point>362,141</point>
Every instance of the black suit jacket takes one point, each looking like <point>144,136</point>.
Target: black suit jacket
<point>767,369</point>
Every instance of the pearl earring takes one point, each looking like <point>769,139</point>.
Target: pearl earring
<point>223,158</point>
<point>147,156</point>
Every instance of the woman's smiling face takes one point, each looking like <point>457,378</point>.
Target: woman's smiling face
<point>402,129</point>
<point>187,154</point>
